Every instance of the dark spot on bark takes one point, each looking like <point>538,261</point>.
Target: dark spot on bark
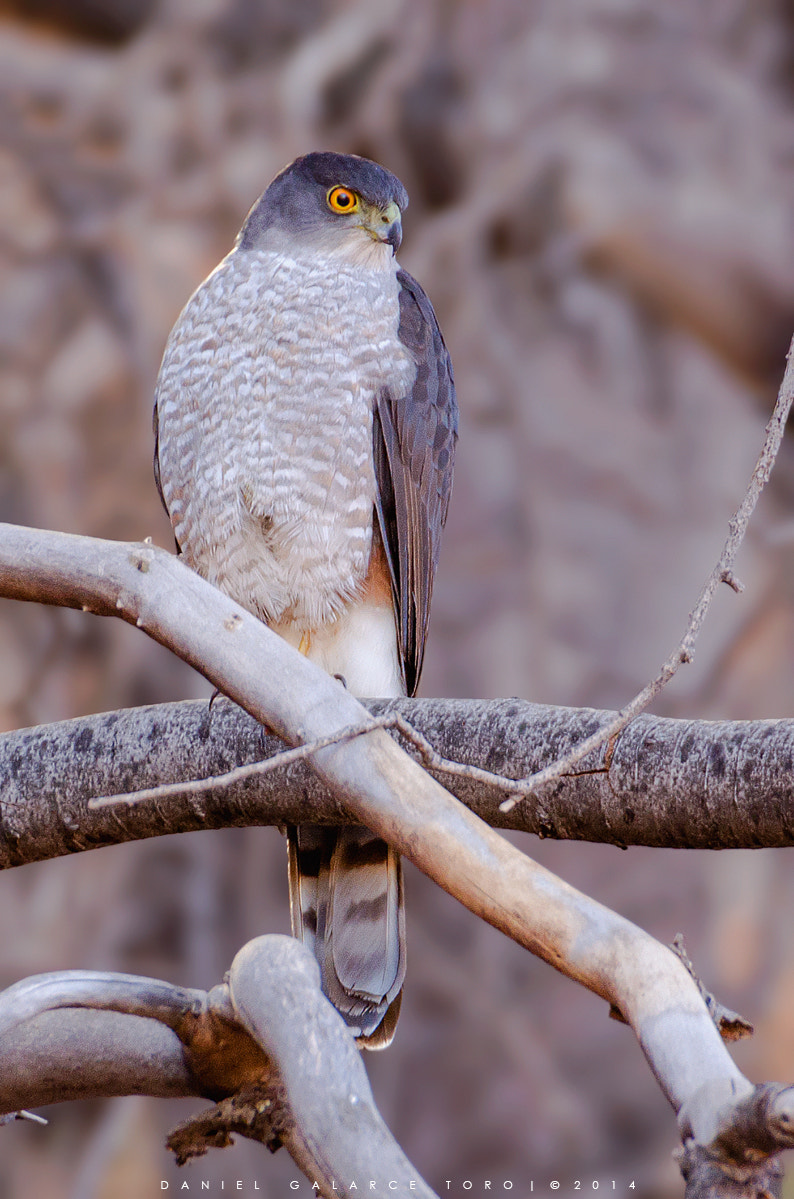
<point>685,748</point>
<point>84,740</point>
<point>717,760</point>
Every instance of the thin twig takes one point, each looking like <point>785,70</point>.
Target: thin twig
<point>722,573</point>
<point>240,773</point>
<point>430,757</point>
<point>731,1026</point>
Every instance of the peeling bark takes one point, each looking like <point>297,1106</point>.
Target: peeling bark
<point>268,1046</point>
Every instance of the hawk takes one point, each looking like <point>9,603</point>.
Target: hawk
<point>305,427</point>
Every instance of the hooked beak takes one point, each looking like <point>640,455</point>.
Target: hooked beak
<point>384,225</point>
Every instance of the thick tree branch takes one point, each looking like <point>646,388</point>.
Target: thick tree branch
<point>379,785</point>
<point>696,784</point>
<point>338,1134</point>
<point>76,1053</point>
<point>128,993</point>
<point>268,1045</point>
<point>730,1143</point>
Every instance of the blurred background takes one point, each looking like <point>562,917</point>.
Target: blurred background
<point>602,211</point>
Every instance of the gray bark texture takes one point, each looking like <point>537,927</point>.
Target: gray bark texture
<point>692,784</point>
<point>268,1040</point>
<point>274,1053</point>
<point>379,785</point>
<point>602,212</point>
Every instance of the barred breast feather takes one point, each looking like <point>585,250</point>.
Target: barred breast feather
<point>264,408</point>
<point>305,425</point>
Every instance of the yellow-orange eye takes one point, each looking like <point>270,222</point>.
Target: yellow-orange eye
<point>342,199</point>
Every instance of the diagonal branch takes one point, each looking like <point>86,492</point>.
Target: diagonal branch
<point>378,784</point>
<point>429,757</point>
<point>252,770</point>
<point>336,1122</point>
<point>686,783</point>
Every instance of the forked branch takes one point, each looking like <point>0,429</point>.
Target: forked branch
<point>378,784</point>
<point>266,1045</point>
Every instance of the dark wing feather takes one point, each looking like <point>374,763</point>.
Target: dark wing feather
<point>157,479</point>
<point>414,449</point>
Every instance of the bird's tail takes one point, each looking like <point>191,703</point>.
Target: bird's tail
<point>346,904</point>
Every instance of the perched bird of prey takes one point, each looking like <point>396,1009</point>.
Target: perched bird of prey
<point>305,428</point>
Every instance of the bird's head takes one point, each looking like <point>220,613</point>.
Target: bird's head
<point>338,204</point>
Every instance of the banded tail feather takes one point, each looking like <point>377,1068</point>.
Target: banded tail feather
<point>346,904</point>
